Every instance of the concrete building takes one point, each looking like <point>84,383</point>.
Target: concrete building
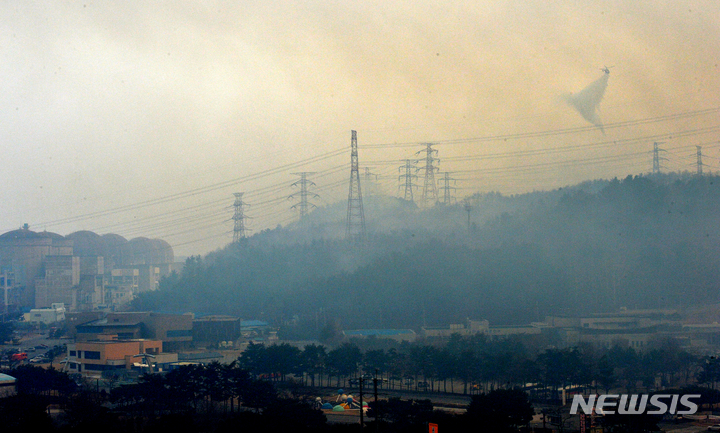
<point>504,331</point>
<point>390,334</point>
<point>470,327</point>
<point>22,254</point>
<point>10,296</point>
<point>27,256</point>
<point>47,316</point>
<point>174,330</point>
<point>60,282</point>
<point>91,290</point>
<point>95,358</point>
<point>630,328</point>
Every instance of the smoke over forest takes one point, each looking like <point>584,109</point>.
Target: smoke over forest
<point>640,242</point>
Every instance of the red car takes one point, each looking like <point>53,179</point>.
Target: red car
<point>18,356</point>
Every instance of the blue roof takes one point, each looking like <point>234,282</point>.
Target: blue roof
<point>369,332</point>
<point>6,378</point>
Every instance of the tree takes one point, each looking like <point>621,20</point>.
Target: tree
<point>312,360</point>
<point>403,414</point>
<point>6,331</point>
<point>710,373</point>
<point>282,359</point>
<point>344,360</point>
<point>500,410</point>
<point>254,359</point>
<point>25,412</point>
<point>259,394</point>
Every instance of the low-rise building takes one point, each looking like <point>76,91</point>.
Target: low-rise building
<point>95,358</point>
<point>215,329</point>
<point>505,331</point>
<point>630,328</point>
<point>470,327</point>
<point>390,334</point>
<point>174,330</point>
<point>47,316</point>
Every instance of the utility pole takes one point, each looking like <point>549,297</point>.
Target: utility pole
<point>468,209</point>
<point>361,402</point>
<point>410,174</point>
<point>239,218</point>
<point>304,204</point>
<point>448,199</point>
<point>355,229</point>
<point>699,161</point>
<point>429,194</point>
<point>377,408</point>
<point>5,286</point>
<point>657,157</point>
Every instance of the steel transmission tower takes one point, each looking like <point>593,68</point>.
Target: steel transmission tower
<point>699,160</point>
<point>468,208</point>
<point>448,199</point>
<point>304,204</point>
<point>429,194</point>
<point>371,185</point>
<point>239,218</point>
<point>410,174</point>
<point>657,158</point>
<point>355,229</point>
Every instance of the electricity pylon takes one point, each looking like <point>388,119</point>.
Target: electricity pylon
<point>429,194</point>
<point>239,218</point>
<point>410,174</point>
<point>304,204</point>
<point>448,199</point>
<point>355,229</point>
<point>657,158</point>
<point>699,161</point>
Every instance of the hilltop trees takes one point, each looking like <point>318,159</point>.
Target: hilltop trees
<point>643,241</point>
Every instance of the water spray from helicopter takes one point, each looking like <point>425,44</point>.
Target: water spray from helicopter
<point>587,101</point>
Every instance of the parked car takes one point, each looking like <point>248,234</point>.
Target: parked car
<point>18,356</point>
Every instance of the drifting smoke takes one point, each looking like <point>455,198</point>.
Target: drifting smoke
<point>587,100</point>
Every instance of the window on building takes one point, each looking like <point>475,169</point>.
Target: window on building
<point>73,353</point>
<point>179,333</point>
<point>94,367</point>
<point>90,354</point>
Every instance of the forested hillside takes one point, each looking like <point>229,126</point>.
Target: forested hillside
<point>640,242</point>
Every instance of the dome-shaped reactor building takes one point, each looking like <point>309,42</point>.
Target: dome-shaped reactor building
<point>83,270</point>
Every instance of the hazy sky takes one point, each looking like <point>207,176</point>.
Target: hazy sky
<point>142,118</point>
